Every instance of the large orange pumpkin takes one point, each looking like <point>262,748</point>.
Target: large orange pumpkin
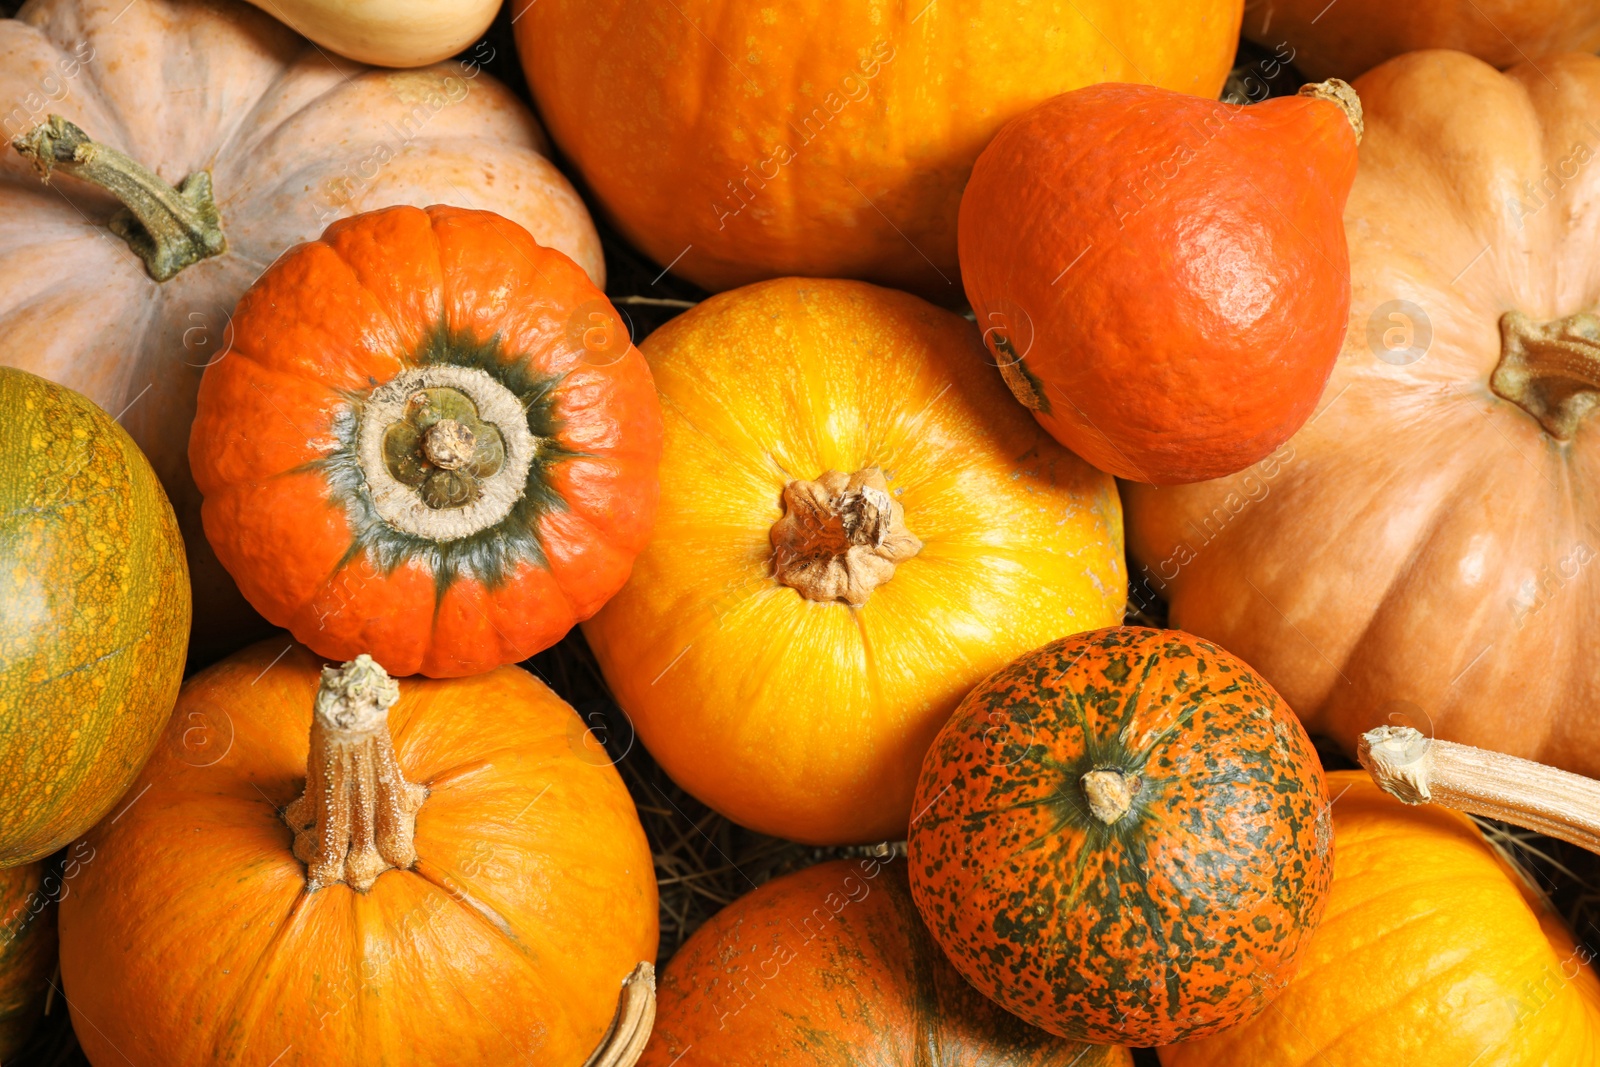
<point>1351,37</point>
<point>1123,836</point>
<point>1432,953</point>
<point>27,948</point>
<point>832,967</point>
<point>1423,550</point>
<point>857,524</point>
<point>432,442</point>
<point>94,614</point>
<point>454,881</point>
<point>734,142</point>
<point>278,140</point>
<point>1161,279</point>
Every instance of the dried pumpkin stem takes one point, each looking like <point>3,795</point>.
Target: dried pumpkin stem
<point>1109,792</point>
<point>624,1040</point>
<point>840,536</point>
<point>1551,369</point>
<point>358,815</point>
<point>1343,94</point>
<point>1421,770</point>
<point>169,228</point>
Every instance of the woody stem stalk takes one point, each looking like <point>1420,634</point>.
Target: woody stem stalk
<point>1421,770</point>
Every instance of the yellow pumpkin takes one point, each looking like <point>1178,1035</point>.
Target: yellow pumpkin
<point>1432,953</point>
<point>857,524</point>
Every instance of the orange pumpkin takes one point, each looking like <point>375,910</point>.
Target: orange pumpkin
<point>734,142</point>
<point>1123,836</point>
<point>1162,279</point>
<point>432,441</point>
<point>27,948</point>
<point>454,881</point>
<point>1351,37</point>
<point>1422,552</point>
<point>1432,953</point>
<point>857,525</point>
<point>270,141</point>
<point>832,967</point>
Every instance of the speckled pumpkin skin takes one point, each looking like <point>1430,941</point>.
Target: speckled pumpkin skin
<point>1182,918</point>
<point>27,952</point>
<point>832,967</point>
<point>94,614</point>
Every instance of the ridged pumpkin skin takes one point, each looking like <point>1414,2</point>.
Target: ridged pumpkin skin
<point>832,967</point>
<point>27,952</point>
<point>808,718</point>
<point>532,898</point>
<point>1162,279</point>
<point>280,442</point>
<point>1432,953</point>
<point>292,139</point>
<point>1349,38</point>
<point>1447,583</point>
<point>1183,917</point>
<point>94,614</point>
<point>827,138</point>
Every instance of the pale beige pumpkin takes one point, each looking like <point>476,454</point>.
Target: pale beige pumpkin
<point>292,140</point>
<point>1426,550</point>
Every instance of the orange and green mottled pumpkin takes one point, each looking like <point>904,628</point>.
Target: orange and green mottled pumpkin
<point>1123,836</point>
<point>832,967</point>
<point>94,614</point>
<point>27,952</point>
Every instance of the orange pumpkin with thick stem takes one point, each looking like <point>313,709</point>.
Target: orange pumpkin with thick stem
<point>1162,279</point>
<point>828,138</point>
<point>1350,37</point>
<point>453,880</point>
<point>432,441</point>
<point>1123,836</point>
<point>832,967</point>
<point>1423,550</point>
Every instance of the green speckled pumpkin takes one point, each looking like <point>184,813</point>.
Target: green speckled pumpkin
<point>1123,837</point>
<point>94,614</point>
<point>27,951</point>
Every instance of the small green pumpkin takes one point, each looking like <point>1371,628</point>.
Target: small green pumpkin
<point>94,614</point>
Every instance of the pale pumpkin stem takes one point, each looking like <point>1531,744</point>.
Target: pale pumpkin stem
<point>167,228</point>
<point>1109,792</point>
<point>1342,93</point>
<point>358,815</point>
<point>840,536</point>
<point>624,1040</point>
<point>1551,369</point>
<point>1421,770</point>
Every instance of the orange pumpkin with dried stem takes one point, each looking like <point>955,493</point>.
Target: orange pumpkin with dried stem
<point>1123,836</point>
<point>455,879</point>
<point>432,442</point>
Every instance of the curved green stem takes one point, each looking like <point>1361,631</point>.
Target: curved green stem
<point>169,228</point>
